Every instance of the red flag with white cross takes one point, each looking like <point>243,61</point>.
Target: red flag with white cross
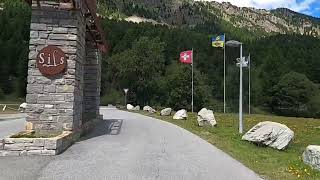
<point>186,57</point>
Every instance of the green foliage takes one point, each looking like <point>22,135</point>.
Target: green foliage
<point>137,68</point>
<point>14,46</point>
<point>1,94</point>
<point>293,93</point>
<point>112,97</point>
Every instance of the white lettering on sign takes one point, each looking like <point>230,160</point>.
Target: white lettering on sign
<point>51,59</point>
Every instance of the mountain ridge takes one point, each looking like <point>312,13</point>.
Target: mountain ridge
<point>192,13</point>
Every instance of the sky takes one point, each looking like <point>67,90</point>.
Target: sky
<point>309,7</point>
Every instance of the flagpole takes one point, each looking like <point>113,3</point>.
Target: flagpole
<point>249,83</point>
<point>224,75</point>
<point>192,83</point>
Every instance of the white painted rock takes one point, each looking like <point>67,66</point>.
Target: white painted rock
<point>272,134</point>
<point>166,112</point>
<point>311,156</point>
<point>23,106</point>
<point>137,108</point>
<point>181,114</point>
<point>149,109</point>
<point>130,107</point>
<point>206,116</point>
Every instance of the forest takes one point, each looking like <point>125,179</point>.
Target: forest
<point>145,58</point>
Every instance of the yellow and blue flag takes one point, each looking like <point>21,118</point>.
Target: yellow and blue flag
<point>218,41</point>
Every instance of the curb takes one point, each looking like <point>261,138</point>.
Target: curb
<point>12,116</point>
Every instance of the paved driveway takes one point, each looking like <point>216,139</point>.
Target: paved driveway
<point>11,126</point>
<point>128,146</point>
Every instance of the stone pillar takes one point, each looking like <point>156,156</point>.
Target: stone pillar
<point>92,83</point>
<point>55,103</point>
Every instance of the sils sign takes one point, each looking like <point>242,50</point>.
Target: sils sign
<point>51,61</point>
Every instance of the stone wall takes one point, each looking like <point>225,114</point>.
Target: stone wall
<point>92,78</point>
<point>36,146</point>
<point>55,103</point>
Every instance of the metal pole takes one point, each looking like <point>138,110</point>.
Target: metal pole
<point>240,95</point>
<point>224,75</point>
<point>249,65</point>
<point>125,99</point>
<point>192,83</point>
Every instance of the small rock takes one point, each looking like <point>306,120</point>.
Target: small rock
<point>206,116</point>
<point>166,112</point>
<point>130,107</point>
<point>22,107</point>
<point>311,156</point>
<point>181,114</point>
<point>149,109</point>
<point>137,108</point>
<point>272,134</point>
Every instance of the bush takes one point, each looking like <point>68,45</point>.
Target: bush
<point>1,94</point>
<point>113,97</point>
<point>314,106</point>
<point>293,96</point>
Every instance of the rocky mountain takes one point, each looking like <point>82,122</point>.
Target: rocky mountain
<point>192,13</point>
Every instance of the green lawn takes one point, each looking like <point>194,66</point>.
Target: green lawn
<point>268,162</point>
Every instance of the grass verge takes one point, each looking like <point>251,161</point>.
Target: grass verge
<point>25,134</point>
<point>267,162</point>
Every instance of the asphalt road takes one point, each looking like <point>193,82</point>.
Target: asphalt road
<point>128,146</point>
<point>8,127</point>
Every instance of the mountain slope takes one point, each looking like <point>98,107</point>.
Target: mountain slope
<point>192,13</point>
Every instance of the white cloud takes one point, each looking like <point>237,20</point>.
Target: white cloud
<point>272,4</point>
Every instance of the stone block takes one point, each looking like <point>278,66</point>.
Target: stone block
<point>59,82</point>
<point>34,89</point>
<point>44,98</point>
<point>34,152</point>
<point>60,30</point>
<point>48,106</point>
<point>61,42</point>
<point>48,152</point>
<point>50,144</point>
<point>31,98</point>
<point>65,89</point>
<point>14,147</point>
<point>43,80</point>
<point>34,148</point>
<point>37,41</point>
<point>36,26</point>
<point>38,142</point>
<point>70,37</point>
<point>34,72</point>
<point>49,89</point>
<point>46,117</point>
<point>59,98</point>
<point>34,34</point>
<point>37,108</point>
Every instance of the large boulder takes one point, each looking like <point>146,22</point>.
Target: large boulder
<point>149,109</point>
<point>137,108</point>
<point>272,134</point>
<point>130,107</point>
<point>206,116</point>
<point>166,112</point>
<point>311,156</point>
<point>181,114</point>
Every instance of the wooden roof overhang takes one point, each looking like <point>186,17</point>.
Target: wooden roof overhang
<point>93,22</point>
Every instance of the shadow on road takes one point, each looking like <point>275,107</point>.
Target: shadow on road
<point>105,127</point>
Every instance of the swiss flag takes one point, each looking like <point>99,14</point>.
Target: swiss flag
<point>186,57</point>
